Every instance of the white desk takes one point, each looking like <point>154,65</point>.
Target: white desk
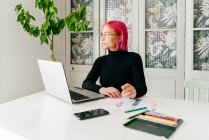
<point>43,117</point>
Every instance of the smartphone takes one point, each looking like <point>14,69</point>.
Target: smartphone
<point>91,114</point>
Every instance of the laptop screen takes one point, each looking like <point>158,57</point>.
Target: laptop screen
<point>54,79</point>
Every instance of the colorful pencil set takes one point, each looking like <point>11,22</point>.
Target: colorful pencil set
<point>158,118</point>
<point>154,122</point>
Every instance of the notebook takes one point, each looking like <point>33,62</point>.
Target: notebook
<point>55,84</point>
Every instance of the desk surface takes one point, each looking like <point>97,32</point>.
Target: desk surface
<point>43,117</point>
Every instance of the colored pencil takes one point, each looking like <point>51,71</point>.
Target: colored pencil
<point>161,116</point>
<point>135,109</point>
<point>158,120</point>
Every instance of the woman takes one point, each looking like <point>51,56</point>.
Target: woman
<point>121,72</point>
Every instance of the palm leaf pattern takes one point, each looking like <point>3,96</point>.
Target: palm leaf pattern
<point>201,37</point>
<point>161,49</point>
<point>120,10</point>
<point>160,14</point>
<point>201,16</point>
<point>82,43</point>
<point>82,48</point>
<point>201,50</point>
<point>76,4</point>
<point>169,16</point>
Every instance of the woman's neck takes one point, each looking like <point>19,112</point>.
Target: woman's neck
<point>112,49</point>
<point>115,51</point>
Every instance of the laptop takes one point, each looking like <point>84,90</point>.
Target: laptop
<point>55,83</point>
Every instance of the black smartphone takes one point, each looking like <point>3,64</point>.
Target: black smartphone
<point>91,114</point>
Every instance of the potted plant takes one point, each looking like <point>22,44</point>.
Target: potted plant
<point>74,21</point>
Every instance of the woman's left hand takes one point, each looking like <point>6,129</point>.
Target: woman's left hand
<point>128,91</point>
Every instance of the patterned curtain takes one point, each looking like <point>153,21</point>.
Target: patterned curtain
<point>201,35</point>
<point>160,34</point>
<point>82,43</point>
<point>120,10</point>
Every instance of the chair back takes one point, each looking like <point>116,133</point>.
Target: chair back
<point>193,87</point>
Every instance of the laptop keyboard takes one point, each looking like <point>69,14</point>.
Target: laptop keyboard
<point>76,96</point>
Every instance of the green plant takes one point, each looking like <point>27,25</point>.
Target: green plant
<point>75,21</point>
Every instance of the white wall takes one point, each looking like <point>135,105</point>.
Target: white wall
<point>1,26</point>
<point>59,41</point>
<point>19,73</point>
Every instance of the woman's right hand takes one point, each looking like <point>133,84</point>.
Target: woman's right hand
<point>110,92</point>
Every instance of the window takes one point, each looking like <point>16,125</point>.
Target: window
<point>201,35</point>
<point>120,10</point>
<point>160,34</point>
<point>82,43</point>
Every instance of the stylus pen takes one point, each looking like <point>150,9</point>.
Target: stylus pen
<point>132,110</point>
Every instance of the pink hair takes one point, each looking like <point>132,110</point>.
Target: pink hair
<point>121,30</point>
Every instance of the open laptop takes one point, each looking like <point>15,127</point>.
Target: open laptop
<point>55,83</point>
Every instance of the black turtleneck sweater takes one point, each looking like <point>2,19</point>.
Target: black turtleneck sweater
<point>116,69</point>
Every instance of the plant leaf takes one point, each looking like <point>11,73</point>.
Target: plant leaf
<point>51,10</point>
<point>43,38</point>
<point>55,9</point>
<point>18,8</point>
<point>75,21</point>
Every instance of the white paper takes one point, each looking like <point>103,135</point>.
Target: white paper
<point>117,103</point>
<point>127,103</point>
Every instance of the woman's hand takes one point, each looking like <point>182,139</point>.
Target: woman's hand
<point>128,90</point>
<point>110,92</point>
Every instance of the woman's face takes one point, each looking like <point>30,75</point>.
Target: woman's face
<point>108,38</point>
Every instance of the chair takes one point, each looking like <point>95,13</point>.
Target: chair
<point>193,87</point>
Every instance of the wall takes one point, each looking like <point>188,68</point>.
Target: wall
<point>1,26</point>
<point>19,73</point>
<point>59,41</point>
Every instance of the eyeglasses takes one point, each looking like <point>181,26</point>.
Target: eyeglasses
<point>106,35</point>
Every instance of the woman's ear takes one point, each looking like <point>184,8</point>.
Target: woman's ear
<point>120,38</point>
